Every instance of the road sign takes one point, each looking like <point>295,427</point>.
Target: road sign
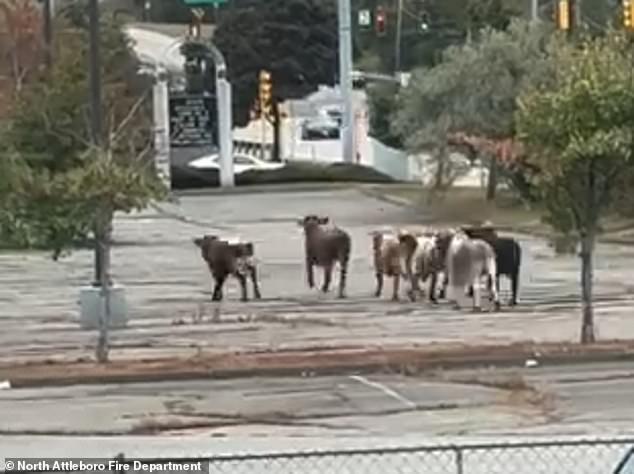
<point>365,18</point>
<point>204,2</point>
<point>192,120</point>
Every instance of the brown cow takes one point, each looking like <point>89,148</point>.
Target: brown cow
<point>420,261</point>
<point>226,258</point>
<point>324,246</point>
<point>390,259</point>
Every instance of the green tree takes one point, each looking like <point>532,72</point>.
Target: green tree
<point>381,109</point>
<point>581,135</point>
<point>63,189</point>
<point>474,91</point>
<point>296,40</point>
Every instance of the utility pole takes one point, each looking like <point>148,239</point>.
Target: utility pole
<point>103,227</point>
<point>345,79</point>
<point>534,10</point>
<point>48,33</point>
<point>95,104</point>
<point>399,26</point>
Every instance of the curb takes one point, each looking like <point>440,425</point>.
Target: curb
<point>295,363</point>
<point>265,188</point>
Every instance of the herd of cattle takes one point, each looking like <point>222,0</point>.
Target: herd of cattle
<point>461,255</point>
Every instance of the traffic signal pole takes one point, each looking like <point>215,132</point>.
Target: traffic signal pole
<point>345,80</point>
<point>397,50</point>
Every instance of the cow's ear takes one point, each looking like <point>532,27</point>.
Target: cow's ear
<point>249,248</point>
<point>198,242</point>
<point>323,220</point>
<point>300,222</point>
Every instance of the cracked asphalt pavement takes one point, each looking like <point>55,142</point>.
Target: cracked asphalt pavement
<point>564,399</point>
<point>168,286</point>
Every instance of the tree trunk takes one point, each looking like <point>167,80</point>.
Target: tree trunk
<point>439,180</point>
<point>492,182</point>
<point>103,239</point>
<point>587,251</point>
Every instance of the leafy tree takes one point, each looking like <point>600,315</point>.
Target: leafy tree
<point>381,108</point>
<point>580,134</point>
<point>425,112</point>
<point>62,187</point>
<point>296,40</point>
<point>495,14</point>
<point>474,91</point>
<point>21,45</point>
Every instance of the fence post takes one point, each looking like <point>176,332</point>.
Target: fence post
<point>459,463</point>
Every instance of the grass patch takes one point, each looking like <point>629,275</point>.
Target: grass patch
<point>468,206</point>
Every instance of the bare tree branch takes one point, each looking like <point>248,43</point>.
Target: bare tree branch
<point>114,137</point>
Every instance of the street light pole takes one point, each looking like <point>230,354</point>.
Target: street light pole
<point>95,106</point>
<point>345,79</point>
<point>399,26</point>
<point>103,218</point>
<point>535,10</point>
<point>48,33</point>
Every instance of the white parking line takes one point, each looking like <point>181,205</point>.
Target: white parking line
<point>386,390</point>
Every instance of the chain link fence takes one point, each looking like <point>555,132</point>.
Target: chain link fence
<point>598,456</point>
<point>580,457</point>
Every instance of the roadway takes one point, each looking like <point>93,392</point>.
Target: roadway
<point>212,417</point>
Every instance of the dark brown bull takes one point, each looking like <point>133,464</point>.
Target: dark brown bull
<point>224,258</point>
<point>324,246</point>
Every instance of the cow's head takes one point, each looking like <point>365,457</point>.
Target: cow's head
<point>204,241</point>
<point>407,242</point>
<point>312,221</point>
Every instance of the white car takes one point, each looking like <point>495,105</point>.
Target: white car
<point>241,163</point>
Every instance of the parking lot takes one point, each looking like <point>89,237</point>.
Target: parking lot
<point>168,286</point>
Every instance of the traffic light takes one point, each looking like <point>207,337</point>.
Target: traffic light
<point>424,22</point>
<point>628,14</point>
<point>380,21</point>
<point>563,15</point>
<point>264,92</point>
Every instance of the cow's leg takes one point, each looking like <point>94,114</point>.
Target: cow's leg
<point>379,284</point>
<point>514,284</point>
<point>477,306</point>
<point>432,287</point>
<point>494,289</point>
<point>242,280</point>
<point>219,282</point>
<point>310,274</point>
<point>254,280</point>
<point>413,284</point>
<point>343,276</point>
<point>327,277</point>
<point>445,284</point>
<point>396,283</point>
<point>470,291</point>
